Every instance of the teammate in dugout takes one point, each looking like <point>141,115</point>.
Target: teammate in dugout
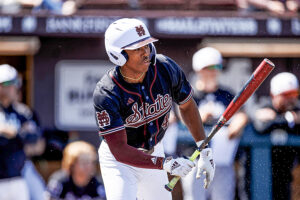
<point>132,103</point>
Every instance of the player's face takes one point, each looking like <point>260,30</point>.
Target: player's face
<point>9,92</point>
<point>210,78</point>
<point>139,59</point>
<point>83,169</point>
<point>284,102</point>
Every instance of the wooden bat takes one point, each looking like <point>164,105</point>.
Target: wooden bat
<point>258,76</point>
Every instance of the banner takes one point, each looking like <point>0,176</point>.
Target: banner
<point>75,81</point>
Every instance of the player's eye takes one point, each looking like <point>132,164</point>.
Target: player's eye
<point>142,48</point>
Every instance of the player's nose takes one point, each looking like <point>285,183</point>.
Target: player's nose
<point>146,50</point>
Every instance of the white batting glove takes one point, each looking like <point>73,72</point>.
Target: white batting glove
<point>178,166</point>
<point>206,166</point>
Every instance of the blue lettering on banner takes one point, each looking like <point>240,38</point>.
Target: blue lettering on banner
<point>207,26</point>
<point>295,26</point>
<point>77,24</point>
<point>5,24</point>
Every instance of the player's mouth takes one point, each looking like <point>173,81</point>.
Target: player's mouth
<point>146,60</point>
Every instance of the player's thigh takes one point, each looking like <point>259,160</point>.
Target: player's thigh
<point>192,188</point>
<point>14,188</point>
<point>152,185</point>
<point>120,183</point>
<point>224,178</point>
<point>120,180</point>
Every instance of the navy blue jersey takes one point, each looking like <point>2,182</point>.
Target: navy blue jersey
<point>12,156</point>
<point>216,102</point>
<point>62,186</point>
<point>140,108</point>
<point>280,122</point>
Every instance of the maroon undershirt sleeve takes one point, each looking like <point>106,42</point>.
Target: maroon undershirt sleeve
<point>124,153</point>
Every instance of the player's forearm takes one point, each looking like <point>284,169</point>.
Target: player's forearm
<point>239,121</point>
<point>124,153</point>
<point>191,117</point>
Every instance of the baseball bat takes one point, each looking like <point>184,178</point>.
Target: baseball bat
<point>258,76</point>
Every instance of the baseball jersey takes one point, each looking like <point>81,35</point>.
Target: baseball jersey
<point>62,186</point>
<point>142,109</point>
<point>11,150</point>
<point>280,121</point>
<point>215,102</point>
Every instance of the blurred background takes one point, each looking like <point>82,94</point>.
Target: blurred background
<point>58,50</point>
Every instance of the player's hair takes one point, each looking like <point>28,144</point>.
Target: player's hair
<point>73,150</point>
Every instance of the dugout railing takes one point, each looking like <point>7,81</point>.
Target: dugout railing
<point>261,158</point>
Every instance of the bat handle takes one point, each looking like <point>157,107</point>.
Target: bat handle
<point>170,186</point>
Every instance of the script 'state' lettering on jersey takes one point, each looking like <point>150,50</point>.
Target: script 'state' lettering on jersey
<point>146,112</point>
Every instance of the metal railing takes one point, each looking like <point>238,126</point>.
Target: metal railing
<point>261,158</point>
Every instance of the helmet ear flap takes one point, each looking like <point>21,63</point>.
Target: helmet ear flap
<point>121,58</point>
<point>117,58</point>
<point>152,53</point>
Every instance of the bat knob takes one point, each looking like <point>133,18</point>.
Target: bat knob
<point>168,188</point>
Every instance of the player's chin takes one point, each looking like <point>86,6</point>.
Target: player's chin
<point>145,65</point>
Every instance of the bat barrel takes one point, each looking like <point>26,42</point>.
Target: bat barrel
<point>258,76</point>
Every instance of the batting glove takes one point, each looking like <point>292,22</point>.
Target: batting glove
<point>178,167</point>
<point>206,166</point>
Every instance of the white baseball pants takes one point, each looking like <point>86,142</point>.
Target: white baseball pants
<point>13,189</point>
<point>222,186</point>
<point>125,182</point>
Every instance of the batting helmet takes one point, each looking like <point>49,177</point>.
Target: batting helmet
<point>127,33</point>
<point>206,57</point>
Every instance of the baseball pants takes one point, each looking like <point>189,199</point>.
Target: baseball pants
<point>13,189</point>
<point>125,182</point>
<point>222,186</point>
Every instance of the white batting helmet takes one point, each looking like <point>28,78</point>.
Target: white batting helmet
<point>126,33</point>
<point>205,57</point>
<point>7,73</point>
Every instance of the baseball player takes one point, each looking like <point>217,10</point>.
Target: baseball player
<point>132,103</point>
<point>279,116</point>
<point>17,128</point>
<point>212,100</point>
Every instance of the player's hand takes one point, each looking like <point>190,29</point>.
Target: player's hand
<point>265,114</point>
<point>206,166</point>
<point>178,166</point>
<point>8,131</point>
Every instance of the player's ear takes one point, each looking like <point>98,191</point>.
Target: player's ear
<point>152,53</point>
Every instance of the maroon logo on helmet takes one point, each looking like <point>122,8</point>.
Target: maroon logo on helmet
<point>103,118</point>
<point>140,30</point>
